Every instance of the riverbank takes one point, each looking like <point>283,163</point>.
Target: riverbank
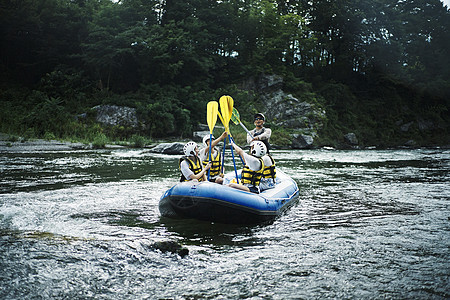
<point>10,143</point>
<point>18,144</point>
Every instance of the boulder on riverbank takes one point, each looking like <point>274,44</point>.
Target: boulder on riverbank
<point>351,141</point>
<point>113,115</point>
<point>168,148</point>
<point>302,141</point>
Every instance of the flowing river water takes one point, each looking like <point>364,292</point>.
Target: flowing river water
<point>368,225</point>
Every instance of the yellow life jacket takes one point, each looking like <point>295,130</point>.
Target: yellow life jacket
<point>216,164</point>
<point>248,176</point>
<point>270,172</point>
<point>195,167</point>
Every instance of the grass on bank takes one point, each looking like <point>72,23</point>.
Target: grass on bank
<point>95,135</point>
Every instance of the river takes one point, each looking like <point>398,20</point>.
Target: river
<point>370,224</point>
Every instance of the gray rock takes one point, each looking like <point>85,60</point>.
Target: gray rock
<point>202,127</point>
<point>113,115</point>
<point>263,84</point>
<point>198,135</point>
<point>350,138</point>
<point>411,143</point>
<point>302,141</point>
<point>168,148</point>
<point>285,110</point>
<point>270,82</point>
<point>170,246</point>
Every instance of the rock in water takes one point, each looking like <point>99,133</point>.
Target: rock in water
<point>170,246</point>
<point>168,148</point>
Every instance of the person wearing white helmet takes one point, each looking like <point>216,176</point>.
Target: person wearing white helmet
<point>215,174</point>
<point>260,133</point>
<point>254,166</point>
<point>268,179</point>
<point>190,164</point>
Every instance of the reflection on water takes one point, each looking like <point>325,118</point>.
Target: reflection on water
<point>80,224</point>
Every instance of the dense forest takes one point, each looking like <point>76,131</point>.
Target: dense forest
<point>373,65</point>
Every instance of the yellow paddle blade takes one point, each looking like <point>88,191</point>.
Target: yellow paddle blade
<point>230,105</point>
<point>211,114</point>
<point>224,110</point>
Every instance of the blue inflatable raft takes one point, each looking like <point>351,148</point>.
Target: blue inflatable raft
<point>220,203</point>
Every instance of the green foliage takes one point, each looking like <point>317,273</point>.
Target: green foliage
<point>370,64</point>
<point>49,136</point>
<point>99,141</point>
<point>138,141</point>
<point>47,115</point>
<point>280,138</point>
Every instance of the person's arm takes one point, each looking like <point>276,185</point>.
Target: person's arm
<point>217,141</point>
<point>202,174</point>
<point>238,150</point>
<point>189,174</point>
<point>265,135</point>
<point>249,138</point>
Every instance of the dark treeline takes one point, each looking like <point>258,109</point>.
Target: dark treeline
<point>373,65</point>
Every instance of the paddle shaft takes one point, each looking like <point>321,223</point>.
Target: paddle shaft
<point>234,162</point>
<point>210,148</point>
<point>212,110</point>
<point>235,117</point>
<point>245,128</point>
<point>242,160</point>
<point>226,108</point>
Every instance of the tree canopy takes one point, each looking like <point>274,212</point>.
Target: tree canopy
<point>168,58</point>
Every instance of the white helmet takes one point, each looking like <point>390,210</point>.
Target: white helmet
<point>206,138</point>
<point>189,148</point>
<point>259,148</point>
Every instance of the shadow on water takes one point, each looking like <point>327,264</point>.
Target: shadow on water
<point>131,218</point>
<point>203,232</point>
<point>191,231</point>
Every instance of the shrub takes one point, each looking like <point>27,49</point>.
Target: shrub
<point>100,141</point>
<point>138,141</point>
<point>49,136</point>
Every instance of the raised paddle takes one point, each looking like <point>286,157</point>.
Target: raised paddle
<point>224,143</point>
<point>211,117</point>
<point>236,120</point>
<point>226,108</point>
<point>230,105</point>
